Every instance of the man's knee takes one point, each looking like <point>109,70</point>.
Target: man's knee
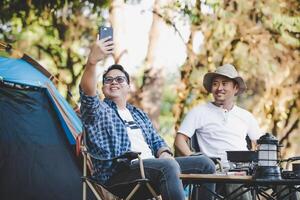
<point>207,165</point>
<point>171,165</point>
<point>211,166</point>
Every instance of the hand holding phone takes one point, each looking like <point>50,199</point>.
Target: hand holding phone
<point>101,48</point>
<point>105,31</point>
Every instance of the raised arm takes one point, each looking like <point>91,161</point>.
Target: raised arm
<point>99,50</point>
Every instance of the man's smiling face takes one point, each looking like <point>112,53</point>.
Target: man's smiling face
<point>115,85</point>
<point>223,89</point>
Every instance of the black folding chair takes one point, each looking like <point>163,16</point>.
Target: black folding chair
<point>194,146</point>
<point>117,190</point>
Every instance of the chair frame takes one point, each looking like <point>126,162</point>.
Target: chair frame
<point>88,182</point>
<point>289,161</point>
<point>194,146</point>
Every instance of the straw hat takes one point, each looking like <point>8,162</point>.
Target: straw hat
<point>226,70</point>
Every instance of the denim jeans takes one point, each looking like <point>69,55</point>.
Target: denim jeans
<point>164,175</point>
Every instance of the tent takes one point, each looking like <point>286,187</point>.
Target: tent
<point>37,135</point>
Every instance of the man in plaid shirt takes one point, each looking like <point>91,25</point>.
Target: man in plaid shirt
<point>114,127</point>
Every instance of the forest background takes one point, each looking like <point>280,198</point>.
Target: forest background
<point>167,46</point>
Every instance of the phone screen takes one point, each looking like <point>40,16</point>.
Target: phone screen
<point>105,31</point>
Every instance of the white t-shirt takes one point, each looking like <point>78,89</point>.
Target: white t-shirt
<point>219,130</point>
<point>135,135</point>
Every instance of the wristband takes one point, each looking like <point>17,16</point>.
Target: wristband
<point>196,154</point>
<point>168,151</point>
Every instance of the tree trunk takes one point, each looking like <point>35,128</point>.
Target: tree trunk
<point>153,80</point>
<point>117,22</point>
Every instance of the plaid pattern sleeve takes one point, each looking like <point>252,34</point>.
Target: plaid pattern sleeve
<point>89,107</point>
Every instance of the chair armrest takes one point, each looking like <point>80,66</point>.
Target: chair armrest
<point>122,159</point>
<point>292,159</point>
<point>289,161</point>
<point>130,155</point>
<point>218,162</point>
<point>196,154</point>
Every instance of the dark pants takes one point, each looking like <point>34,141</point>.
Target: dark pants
<point>164,175</point>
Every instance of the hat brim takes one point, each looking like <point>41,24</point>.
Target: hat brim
<point>208,78</point>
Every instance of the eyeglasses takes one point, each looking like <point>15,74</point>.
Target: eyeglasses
<point>118,79</point>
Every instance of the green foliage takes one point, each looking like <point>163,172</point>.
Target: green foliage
<point>261,38</point>
<point>53,32</point>
<point>22,9</point>
<point>166,119</point>
<point>4,54</point>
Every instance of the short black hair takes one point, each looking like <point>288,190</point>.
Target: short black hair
<point>118,67</point>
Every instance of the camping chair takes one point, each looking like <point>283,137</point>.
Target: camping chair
<point>194,146</point>
<point>288,173</point>
<point>94,185</point>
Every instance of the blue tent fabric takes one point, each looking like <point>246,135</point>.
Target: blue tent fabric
<point>37,159</point>
<point>20,72</point>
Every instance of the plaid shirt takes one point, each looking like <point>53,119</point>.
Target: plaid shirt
<point>107,135</point>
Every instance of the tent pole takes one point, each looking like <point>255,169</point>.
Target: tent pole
<point>84,175</point>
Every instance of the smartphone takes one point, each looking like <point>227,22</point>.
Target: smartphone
<point>105,31</point>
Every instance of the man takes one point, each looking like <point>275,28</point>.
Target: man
<point>220,125</point>
<point>114,127</point>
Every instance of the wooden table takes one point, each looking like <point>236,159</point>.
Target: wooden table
<point>257,187</point>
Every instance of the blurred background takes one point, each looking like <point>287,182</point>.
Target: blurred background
<point>167,46</point>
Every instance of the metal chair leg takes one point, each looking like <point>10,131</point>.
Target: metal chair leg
<point>133,191</point>
<point>152,191</point>
<point>83,190</point>
<point>93,190</point>
<point>86,182</point>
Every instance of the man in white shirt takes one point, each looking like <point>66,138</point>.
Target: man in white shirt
<point>220,125</point>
